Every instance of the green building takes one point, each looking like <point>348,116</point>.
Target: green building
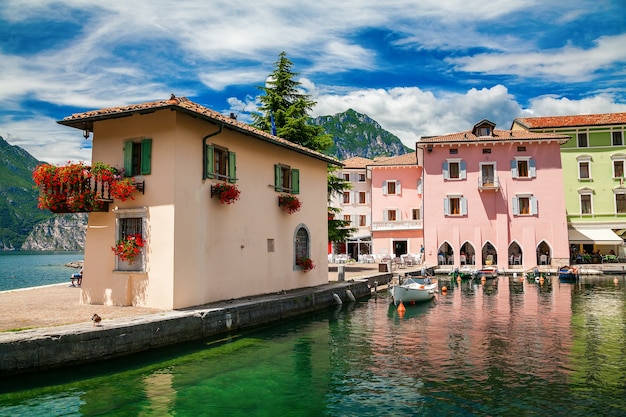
<point>593,163</point>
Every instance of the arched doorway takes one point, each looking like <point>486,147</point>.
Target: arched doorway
<point>544,253</point>
<point>445,254</point>
<point>468,254</point>
<point>515,254</point>
<point>489,254</point>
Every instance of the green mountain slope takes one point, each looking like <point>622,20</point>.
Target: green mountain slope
<point>356,134</point>
<point>18,199</point>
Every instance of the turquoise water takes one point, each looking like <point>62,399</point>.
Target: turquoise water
<point>515,349</point>
<point>32,269</point>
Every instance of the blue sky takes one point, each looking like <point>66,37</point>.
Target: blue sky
<point>418,67</point>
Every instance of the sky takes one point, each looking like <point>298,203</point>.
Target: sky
<point>417,67</point>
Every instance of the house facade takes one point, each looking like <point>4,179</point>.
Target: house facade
<point>494,197</point>
<point>355,205</point>
<point>198,249</point>
<point>593,161</point>
<point>397,220</point>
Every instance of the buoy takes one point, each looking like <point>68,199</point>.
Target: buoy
<point>350,295</point>
<point>444,289</point>
<point>541,281</point>
<point>401,308</point>
<point>337,299</point>
<point>615,281</point>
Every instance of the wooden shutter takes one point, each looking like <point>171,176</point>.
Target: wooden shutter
<point>514,168</point>
<point>210,161</point>
<point>446,207</point>
<point>463,206</point>
<point>532,170</point>
<point>128,159</point>
<point>445,171</point>
<point>515,204</point>
<point>398,188</point>
<point>384,187</point>
<point>232,167</point>
<point>146,157</point>
<point>533,205</point>
<point>278,178</point>
<point>295,181</point>
<point>463,170</point>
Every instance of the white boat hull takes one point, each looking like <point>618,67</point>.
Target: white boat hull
<point>413,292</point>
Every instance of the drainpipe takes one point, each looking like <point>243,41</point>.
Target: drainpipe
<point>204,155</point>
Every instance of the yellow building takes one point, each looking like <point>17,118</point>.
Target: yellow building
<point>198,249</point>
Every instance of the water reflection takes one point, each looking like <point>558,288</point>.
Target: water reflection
<point>506,347</point>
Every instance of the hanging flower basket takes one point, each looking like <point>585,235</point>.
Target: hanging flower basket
<point>227,193</point>
<point>306,263</point>
<point>289,203</point>
<point>123,189</point>
<point>129,247</point>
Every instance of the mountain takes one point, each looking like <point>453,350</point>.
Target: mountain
<point>19,214</point>
<point>356,134</point>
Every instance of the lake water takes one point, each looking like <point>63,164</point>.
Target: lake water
<point>515,349</point>
<point>32,269</point>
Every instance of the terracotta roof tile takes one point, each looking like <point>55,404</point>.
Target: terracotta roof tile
<point>356,162</point>
<point>498,136</point>
<point>405,159</point>
<point>572,121</point>
<point>84,121</point>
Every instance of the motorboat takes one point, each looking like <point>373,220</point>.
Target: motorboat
<point>414,289</point>
<point>487,272</point>
<point>568,273</point>
<point>464,272</point>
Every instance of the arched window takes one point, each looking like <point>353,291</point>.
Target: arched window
<point>302,244</point>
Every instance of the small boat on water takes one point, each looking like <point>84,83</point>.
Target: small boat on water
<point>465,272</point>
<point>414,289</point>
<point>487,272</point>
<point>569,273</point>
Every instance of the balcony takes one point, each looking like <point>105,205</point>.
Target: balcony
<point>397,225</point>
<point>488,183</point>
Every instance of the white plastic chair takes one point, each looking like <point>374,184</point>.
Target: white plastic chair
<point>543,260</point>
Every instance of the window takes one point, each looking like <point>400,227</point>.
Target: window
<point>582,140</point>
<point>521,149</point>
<point>220,164</point>
<point>619,161</point>
<point>362,220</point>
<point>584,170</point>
<point>454,151</point>
<point>137,157</point>
<point>524,205</point>
<point>618,139</point>
<point>523,167</point>
<point>286,179</point>
<point>454,206</point>
<point>302,245</point>
<point>346,177</point>
<point>346,197</point>
<point>484,131</point>
<point>454,169</point>
<point>620,202</point>
<point>487,150</point>
<point>361,177</point>
<point>391,215</point>
<point>392,188</point>
<point>585,204</point>
<point>415,214</point>
<point>130,222</point>
<point>362,197</point>
<point>348,219</point>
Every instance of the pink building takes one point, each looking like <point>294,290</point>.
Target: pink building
<point>494,197</point>
<point>397,227</point>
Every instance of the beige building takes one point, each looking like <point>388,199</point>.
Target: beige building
<point>197,249</point>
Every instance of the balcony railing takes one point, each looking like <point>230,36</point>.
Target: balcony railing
<point>83,196</point>
<point>397,225</point>
<point>488,183</point>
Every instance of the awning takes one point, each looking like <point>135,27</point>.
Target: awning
<point>597,236</point>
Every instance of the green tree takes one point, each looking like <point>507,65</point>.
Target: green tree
<point>288,106</point>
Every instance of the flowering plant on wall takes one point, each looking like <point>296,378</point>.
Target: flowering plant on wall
<point>128,247</point>
<point>227,193</point>
<point>306,263</point>
<point>289,203</point>
<point>123,189</point>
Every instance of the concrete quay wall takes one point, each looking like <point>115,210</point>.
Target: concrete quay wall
<point>63,346</point>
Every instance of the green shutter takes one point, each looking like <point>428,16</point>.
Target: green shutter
<point>146,157</point>
<point>277,178</point>
<point>128,159</point>
<point>232,167</point>
<point>295,181</point>
<point>209,162</point>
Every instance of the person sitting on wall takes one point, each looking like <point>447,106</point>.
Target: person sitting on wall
<point>78,277</point>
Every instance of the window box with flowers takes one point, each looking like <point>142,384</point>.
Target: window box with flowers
<point>128,248</point>
<point>305,263</point>
<point>226,193</point>
<point>289,203</point>
<point>78,188</point>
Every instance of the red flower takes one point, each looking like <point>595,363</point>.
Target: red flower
<point>227,193</point>
<point>129,247</point>
<point>289,203</point>
<point>306,263</point>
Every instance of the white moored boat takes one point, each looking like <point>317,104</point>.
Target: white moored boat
<point>414,289</point>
